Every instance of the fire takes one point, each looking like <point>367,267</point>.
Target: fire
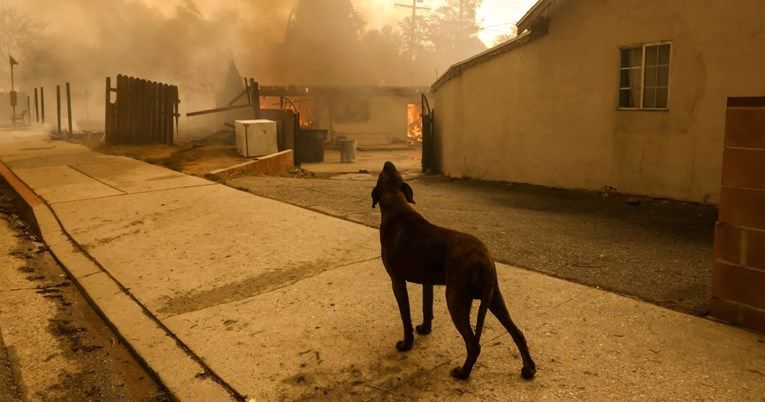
<point>414,123</point>
<point>304,111</point>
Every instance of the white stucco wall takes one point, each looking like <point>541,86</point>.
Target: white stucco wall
<point>546,112</point>
<point>387,122</point>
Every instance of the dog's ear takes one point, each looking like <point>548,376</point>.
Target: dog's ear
<point>408,193</point>
<point>375,196</point>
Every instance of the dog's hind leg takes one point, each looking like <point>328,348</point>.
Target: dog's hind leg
<point>427,310</point>
<point>402,298</point>
<point>459,304</point>
<point>499,310</point>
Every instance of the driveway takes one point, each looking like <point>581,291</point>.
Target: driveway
<point>656,250</point>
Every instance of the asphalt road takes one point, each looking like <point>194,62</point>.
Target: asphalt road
<point>53,345</point>
<point>655,250</point>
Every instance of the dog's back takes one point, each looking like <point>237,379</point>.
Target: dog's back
<point>422,252</point>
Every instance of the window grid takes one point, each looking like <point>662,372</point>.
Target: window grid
<point>654,89</point>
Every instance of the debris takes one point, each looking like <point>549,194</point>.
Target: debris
<point>300,173</point>
<point>607,190</point>
<point>633,201</point>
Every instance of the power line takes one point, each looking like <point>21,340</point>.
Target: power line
<point>498,25</point>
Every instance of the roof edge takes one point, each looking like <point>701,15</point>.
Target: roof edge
<point>532,25</point>
<point>457,68</point>
<point>528,19</point>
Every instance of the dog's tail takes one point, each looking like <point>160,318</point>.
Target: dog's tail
<point>488,294</point>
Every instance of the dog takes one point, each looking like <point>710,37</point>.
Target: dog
<point>415,250</point>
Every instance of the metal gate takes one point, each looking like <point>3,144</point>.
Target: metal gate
<point>428,141</point>
<point>143,112</point>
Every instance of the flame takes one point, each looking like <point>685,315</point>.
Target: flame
<point>414,123</point>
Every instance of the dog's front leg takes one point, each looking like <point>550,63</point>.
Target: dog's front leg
<point>402,297</point>
<point>427,310</point>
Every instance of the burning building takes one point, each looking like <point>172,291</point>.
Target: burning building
<point>371,115</point>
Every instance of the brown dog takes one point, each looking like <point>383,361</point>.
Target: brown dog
<point>417,251</point>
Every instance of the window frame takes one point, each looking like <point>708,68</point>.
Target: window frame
<point>642,47</point>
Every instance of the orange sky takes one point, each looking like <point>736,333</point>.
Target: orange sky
<point>496,16</point>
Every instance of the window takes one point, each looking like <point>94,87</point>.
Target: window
<point>644,76</point>
<point>350,111</point>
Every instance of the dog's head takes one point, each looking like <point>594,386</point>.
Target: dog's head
<point>389,181</point>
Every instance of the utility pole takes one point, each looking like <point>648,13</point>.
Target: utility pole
<point>13,92</point>
<point>412,28</point>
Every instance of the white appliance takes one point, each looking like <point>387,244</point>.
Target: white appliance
<point>256,137</point>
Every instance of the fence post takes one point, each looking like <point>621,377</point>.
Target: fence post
<point>176,113</point>
<point>37,108</point>
<point>58,109</point>
<point>108,125</point>
<point>247,88</point>
<point>296,140</point>
<point>69,109</point>
<point>42,105</point>
<point>255,97</point>
<point>29,112</point>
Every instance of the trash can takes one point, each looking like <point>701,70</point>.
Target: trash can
<point>347,151</point>
<point>312,145</point>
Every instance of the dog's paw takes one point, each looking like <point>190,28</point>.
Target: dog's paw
<point>422,329</point>
<point>404,345</point>
<point>459,374</point>
<point>528,372</point>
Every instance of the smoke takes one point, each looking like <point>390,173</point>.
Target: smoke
<point>190,43</point>
<point>182,42</point>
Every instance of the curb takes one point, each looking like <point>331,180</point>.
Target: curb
<point>170,361</point>
<point>273,164</point>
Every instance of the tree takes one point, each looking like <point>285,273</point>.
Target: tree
<point>322,44</point>
<point>382,49</point>
<point>17,34</point>
<point>452,30</point>
<point>418,45</point>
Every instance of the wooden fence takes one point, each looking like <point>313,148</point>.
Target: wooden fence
<point>143,112</point>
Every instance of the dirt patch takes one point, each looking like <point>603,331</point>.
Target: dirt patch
<point>11,386</point>
<point>242,289</point>
<point>199,157</point>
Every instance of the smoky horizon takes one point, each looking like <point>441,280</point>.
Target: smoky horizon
<point>191,43</point>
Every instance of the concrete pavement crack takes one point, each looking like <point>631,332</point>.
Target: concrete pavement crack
<point>124,194</point>
<point>95,178</point>
<point>87,275</point>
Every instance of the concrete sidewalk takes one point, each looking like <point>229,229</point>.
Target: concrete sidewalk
<point>229,295</point>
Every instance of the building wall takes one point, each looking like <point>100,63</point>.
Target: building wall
<point>738,278</point>
<point>546,112</point>
<point>387,122</point>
